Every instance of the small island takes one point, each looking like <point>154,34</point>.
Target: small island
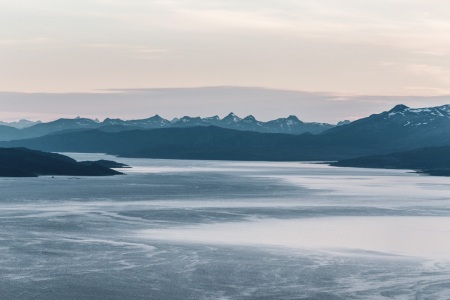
<point>23,162</point>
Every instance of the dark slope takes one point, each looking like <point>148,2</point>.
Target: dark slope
<point>402,128</point>
<point>21,162</point>
<point>190,143</point>
<point>435,161</point>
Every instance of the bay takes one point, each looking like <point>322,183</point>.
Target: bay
<point>173,229</point>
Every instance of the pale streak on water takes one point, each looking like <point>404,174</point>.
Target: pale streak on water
<point>226,230</point>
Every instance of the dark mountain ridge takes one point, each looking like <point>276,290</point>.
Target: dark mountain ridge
<point>188,143</point>
<point>291,125</point>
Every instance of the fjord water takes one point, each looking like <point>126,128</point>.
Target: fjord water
<point>173,229</point>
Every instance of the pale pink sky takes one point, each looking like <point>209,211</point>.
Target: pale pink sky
<point>352,47</point>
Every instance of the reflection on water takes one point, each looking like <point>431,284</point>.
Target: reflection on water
<point>424,237</point>
<point>225,230</point>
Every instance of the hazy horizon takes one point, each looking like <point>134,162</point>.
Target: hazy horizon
<point>264,104</point>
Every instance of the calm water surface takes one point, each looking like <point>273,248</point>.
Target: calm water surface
<point>173,229</point>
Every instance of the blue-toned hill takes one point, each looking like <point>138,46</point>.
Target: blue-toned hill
<point>22,162</point>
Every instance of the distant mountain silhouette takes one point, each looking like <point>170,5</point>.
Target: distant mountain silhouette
<point>291,125</point>
<point>21,162</point>
<point>153,122</point>
<point>20,124</point>
<point>42,129</point>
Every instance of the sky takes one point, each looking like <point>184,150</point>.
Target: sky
<point>99,57</point>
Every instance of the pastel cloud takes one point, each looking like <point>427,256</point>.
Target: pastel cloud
<point>389,47</point>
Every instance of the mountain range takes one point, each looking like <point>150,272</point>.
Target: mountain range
<point>399,129</point>
<point>290,125</point>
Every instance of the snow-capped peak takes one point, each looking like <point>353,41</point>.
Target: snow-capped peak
<point>213,118</point>
<point>414,117</point>
<point>231,117</point>
<point>293,119</point>
<point>250,118</point>
<point>439,111</point>
<point>398,108</point>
